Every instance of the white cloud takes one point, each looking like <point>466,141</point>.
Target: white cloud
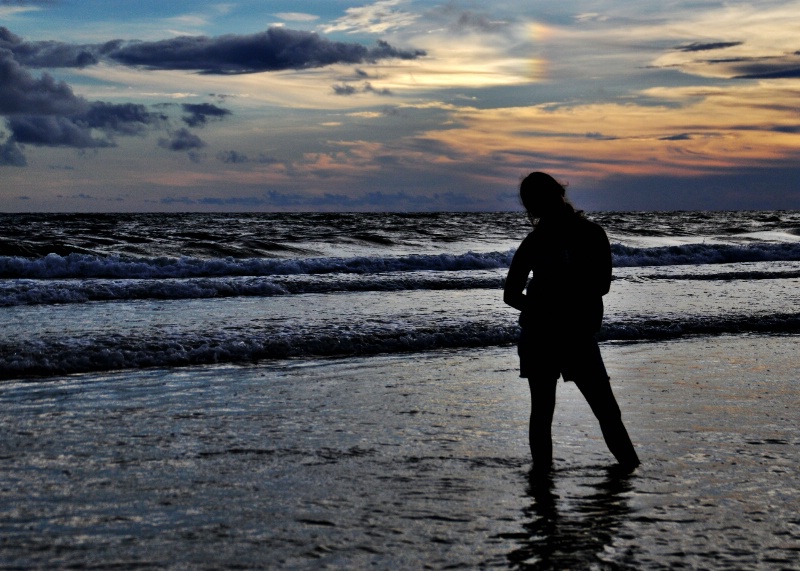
<point>225,8</point>
<point>637,37</point>
<point>11,11</point>
<point>591,17</point>
<point>296,16</point>
<point>189,20</point>
<point>376,18</point>
<point>749,37</point>
<point>703,131</point>
<point>366,114</point>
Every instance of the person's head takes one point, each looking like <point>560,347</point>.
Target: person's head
<point>543,196</point>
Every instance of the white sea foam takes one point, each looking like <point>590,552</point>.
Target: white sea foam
<point>697,254</point>
<point>84,293</point>
<point>38,291</point>
<point>78,278</point>
<point>224,345</point>
<point>89,266</point>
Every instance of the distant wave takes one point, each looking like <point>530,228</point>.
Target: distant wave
<point>80,278</point>
<point>42,357</point>
<point>72,291</point>
<point>648,328</point>
<point>696,254</point>
<point>89,266</point>
<point>43,292</point>
<point>749,275</point>
<point>113,352</point>
<point>71,266</point>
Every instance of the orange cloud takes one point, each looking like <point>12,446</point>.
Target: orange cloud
<point>688,132</point>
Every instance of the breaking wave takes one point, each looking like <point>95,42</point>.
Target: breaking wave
<point>73,266</point>
<point>114,352</point>
<point>697,254</point>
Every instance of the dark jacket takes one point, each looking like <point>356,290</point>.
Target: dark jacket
<point>570,258</point>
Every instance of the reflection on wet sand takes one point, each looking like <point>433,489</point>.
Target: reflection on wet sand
<point>573,531</point>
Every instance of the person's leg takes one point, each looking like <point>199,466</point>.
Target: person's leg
<point>587,369</point>
<point>543,404</point>
<point>604,406</point>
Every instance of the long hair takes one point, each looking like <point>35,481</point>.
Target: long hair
<point>541,193</point>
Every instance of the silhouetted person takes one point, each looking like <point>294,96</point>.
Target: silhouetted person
<point>561,310</point>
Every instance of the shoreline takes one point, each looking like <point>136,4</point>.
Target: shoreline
<point>404,461</point>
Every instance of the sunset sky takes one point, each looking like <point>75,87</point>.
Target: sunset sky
<point>343,105</point>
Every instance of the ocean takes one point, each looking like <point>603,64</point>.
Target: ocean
<point>90,293</point>
<point>216,391</point>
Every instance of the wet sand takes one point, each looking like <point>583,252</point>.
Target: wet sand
<point>406,462</point>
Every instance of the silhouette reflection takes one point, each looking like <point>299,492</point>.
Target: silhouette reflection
<point>574,532</point>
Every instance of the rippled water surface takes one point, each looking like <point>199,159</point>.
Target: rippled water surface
<point>99,293</point>
<point>406,462</point>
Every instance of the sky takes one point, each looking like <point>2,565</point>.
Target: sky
<point>397,105</point>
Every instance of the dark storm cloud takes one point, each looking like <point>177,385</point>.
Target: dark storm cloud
<point>198,114</point>
<point>52,53</point>
<point>40,110</point>
<point>52,131</point>
<point>787,129</point>
<point>21,92</point>
<point>698,47</point>
<point>272,50</point>
<point>76,130</point>
<point>12,155</point>
<point>345,89</point>
<point>332,201</point>
<point>233,201</point>
<point>786,67</point>
<point>369,89</point>
<point>182,140</point>
<point>386,51</point>
<point>366,87</point>
<point>235,157</point>
<point>122,118</point>
<point>600,136</point>
<point>232,157</point>
<point>43,111</point>
<point>764,67</point>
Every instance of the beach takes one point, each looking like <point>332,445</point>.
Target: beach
<point>287,286</point>
<point>341,391</point>
<point>405,461</point>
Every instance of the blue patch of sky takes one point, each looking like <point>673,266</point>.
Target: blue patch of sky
<point>155,19</point>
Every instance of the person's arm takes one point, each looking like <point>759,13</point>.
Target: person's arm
<point>517,279</point>
<point>601,258</point>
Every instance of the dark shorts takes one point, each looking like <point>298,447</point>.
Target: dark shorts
<point>547,356</point>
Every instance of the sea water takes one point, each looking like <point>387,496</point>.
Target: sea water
<point>198,391</point>
<point>82,293</point>
<point>406,461</point>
